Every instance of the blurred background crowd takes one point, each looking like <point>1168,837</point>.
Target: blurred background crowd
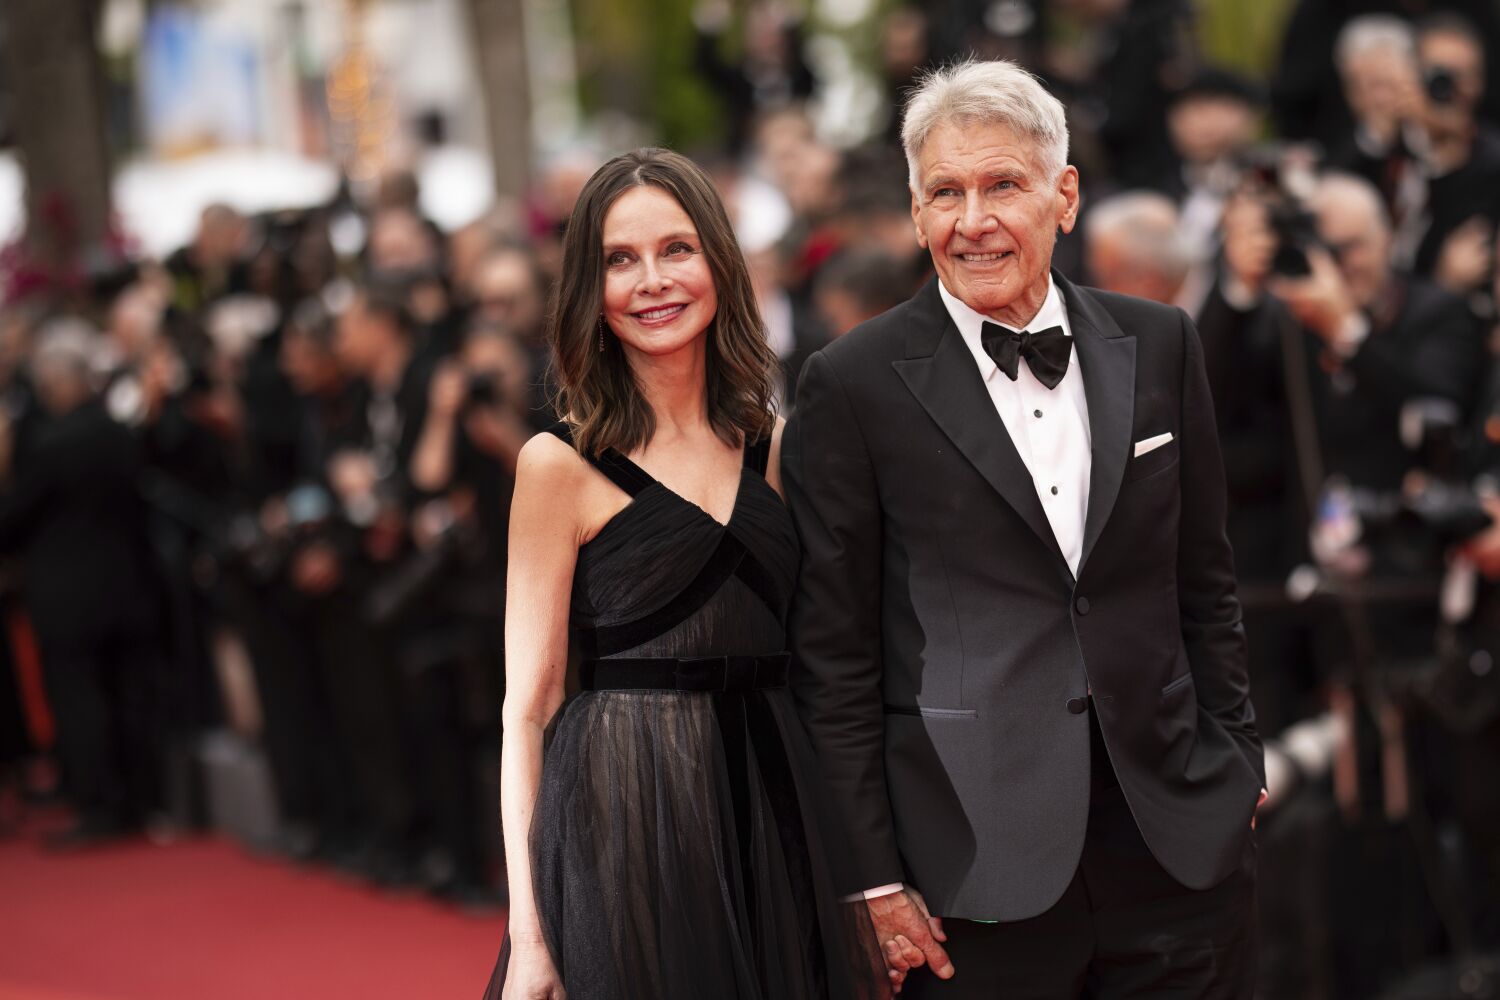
<point>275,278</point>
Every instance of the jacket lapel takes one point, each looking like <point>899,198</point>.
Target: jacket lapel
<point>941,373</point>
<point>1107,356</point>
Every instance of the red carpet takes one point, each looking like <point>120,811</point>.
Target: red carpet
<point>200,919</point>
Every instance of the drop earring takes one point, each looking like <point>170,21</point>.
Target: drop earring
<point>601,333</point>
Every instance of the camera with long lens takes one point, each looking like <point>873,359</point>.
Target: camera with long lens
<point>1283,177</point>
<point>1434,505</point>
<point>1441,84</point>
<point>250,547</point>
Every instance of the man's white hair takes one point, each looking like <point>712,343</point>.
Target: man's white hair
<point>1372,34</point>
<point>1341,191</point>
<point>1146,225</point>
<point>996,92</point>
<point>64,348</point>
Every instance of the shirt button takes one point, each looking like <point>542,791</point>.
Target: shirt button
<point>1077,706</point>
<point>1054,491</point>
<point>1082,604</point>
<point>1036,413</point>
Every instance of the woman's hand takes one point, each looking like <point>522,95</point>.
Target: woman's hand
<point>531,974</point>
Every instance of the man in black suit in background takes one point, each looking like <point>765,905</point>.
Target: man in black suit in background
<point>1018,646</point>
<point>74,514</point>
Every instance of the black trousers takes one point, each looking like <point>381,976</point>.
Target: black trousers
<point>106,696</point>
<point>1123,928</point>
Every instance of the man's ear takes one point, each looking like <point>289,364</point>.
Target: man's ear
<point>1067,198</point>
<point>916,219</point>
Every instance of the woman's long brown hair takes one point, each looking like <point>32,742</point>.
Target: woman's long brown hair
<point>598,393</point>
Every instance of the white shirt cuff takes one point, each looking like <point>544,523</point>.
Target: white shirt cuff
<point>875,893</point>
<point>1351,335</point>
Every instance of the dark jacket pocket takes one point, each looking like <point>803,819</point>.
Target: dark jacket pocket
<point>1177,684</point>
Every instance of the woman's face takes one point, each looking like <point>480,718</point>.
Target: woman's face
<point>659,294</point>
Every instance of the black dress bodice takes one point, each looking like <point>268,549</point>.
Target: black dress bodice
<point>665,579</point>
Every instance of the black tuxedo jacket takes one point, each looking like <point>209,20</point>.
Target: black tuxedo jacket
<point>75,515</point>
<point>943,649</point>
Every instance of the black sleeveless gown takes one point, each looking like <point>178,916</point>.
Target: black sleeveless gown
<point>678,848</point>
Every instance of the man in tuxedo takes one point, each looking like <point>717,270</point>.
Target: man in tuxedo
<point>1018,646</point>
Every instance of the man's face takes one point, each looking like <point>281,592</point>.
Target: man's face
<point>1461,59</point>
<point>1361,245</point>
<point>400,241</point>
<point>1380,85</point>
<point>1210,127</point>
<point>506,293</point>
<point>353,342</point>
<point>989,214</point>
<point>1114,268</point>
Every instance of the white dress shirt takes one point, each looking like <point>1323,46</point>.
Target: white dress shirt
<point>1049,427</point>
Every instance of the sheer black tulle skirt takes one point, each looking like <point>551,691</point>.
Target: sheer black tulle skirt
<point>678,853</point>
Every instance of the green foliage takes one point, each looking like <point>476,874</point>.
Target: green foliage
<point>636,58</point>
<point>1243,34</point>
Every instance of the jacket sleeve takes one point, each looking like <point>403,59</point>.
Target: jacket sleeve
<point>835,620</point>
<point>1213,631</point>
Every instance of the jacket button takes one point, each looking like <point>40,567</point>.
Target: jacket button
<point>1082,604</point>
<point>1077,706</point>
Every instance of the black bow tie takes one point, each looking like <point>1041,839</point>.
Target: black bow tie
<point>1046,352</point>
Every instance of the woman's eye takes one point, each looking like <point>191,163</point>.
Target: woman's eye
<point>617,258</point>
<point>678,249</point>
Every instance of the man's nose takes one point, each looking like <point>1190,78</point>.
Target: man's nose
<point>977,219</point>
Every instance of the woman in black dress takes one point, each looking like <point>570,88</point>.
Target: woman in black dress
<point>664,840</point>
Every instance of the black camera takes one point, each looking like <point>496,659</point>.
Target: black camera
<point>483,390</point>
<point>1281,175</point>
<point>1296,230</point>
<point>1434,501</point>
<point>1441,84</point>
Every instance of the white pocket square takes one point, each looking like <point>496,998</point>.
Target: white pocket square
<point>1151,443</point>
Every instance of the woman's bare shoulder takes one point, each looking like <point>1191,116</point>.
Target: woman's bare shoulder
<point>548,461</point>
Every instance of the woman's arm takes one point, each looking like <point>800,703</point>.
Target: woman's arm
<point>546,517</point>
<point>773,464</point>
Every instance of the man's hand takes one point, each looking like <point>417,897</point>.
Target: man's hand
<point>1484,548</point>
<point>1464,261</point>
<point>1321,301</point>
<point>315,569</point>
<point>447,391</point>
<point>909,936</point>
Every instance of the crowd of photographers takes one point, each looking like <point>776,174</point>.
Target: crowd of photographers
<point>291,444</point>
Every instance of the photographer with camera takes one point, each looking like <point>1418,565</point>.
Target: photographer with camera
<point>453,590</point>
<point>1363,349</point>
<point>73,514</point>
<point>284,561</point>
<point>1318,350</point>
<point>1452,234</point>
<point>508,290</point>
<point>1377,339</point>
<point>1375,55</point>
<point>339,565</point>
<point>1466,692</point>
<point>1415,94</point>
